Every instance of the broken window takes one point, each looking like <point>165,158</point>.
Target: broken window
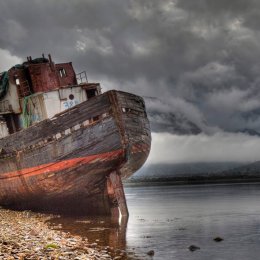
<point>16,79</point>
<point>91,93</point>
<point>12,122</point>
<point>17,82</point>
<point>62,72</point>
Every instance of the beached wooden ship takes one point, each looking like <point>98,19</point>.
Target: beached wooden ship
<point>64,145</point>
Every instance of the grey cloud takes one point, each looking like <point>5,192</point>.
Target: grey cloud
<point>200,57</point>
<point>164,117</point>
<point>221,147</point>
<point>7,60</point>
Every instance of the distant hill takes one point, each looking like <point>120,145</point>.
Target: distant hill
<point>172,123</point>
<point>164,119</point>
<point>182,171</point>
<point>249,132</point>
<point>198,172</point>
<point>250,170</point>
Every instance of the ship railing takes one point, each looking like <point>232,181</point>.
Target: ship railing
<point>82,77</point>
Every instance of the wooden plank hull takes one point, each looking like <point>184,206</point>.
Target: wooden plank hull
<point>63,164</point>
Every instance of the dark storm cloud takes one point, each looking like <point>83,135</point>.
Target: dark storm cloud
<point>200,57</point>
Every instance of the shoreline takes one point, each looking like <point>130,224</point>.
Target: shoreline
<point>26,235</point>
<point>191,181</point>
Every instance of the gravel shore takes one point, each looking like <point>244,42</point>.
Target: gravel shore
<point>25,235</point>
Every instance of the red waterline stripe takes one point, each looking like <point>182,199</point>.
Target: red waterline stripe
<point>62,165</point>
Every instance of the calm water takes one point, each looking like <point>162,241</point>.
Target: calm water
<point>168,219</point>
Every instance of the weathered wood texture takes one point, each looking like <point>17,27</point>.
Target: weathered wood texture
<point>63,163</point>
<point>117,195</point>
<point>46,129</point>
<point>136,130</point>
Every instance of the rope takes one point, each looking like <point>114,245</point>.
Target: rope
<point>27,112</point>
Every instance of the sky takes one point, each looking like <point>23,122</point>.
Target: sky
<point>199,59</point>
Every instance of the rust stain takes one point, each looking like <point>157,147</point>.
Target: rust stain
<point>95,141</point>
<point>57,166</point>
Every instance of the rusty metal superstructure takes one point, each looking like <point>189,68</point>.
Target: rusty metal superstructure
<point>65,146</point>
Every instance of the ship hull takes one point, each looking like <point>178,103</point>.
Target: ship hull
<point>64,164</point>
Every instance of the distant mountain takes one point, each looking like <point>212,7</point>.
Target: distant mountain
<point>249,132</point>
<point>250,170</point>
<point>198,172</point>
<point>163,119</point>
<point>166,117</point>
<point>171,123</point>
<point>183,170</point>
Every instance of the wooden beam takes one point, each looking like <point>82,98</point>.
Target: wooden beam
<point>117,195</point>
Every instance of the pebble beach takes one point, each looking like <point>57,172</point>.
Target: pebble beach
<point>26,235</point>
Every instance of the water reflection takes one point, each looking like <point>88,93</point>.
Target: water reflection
<point>105,231</point>
<point>168,219</point>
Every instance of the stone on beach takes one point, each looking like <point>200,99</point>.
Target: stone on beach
<point>150,253</point>
<point>218,239</point>
<point>193,248</point>
<point>25,235</point>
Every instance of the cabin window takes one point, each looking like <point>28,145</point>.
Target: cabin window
<point>91,93</point>
<point>62,72</point>
<point>126,109</point>
<point>71,96</point>
<point>17,81</point>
